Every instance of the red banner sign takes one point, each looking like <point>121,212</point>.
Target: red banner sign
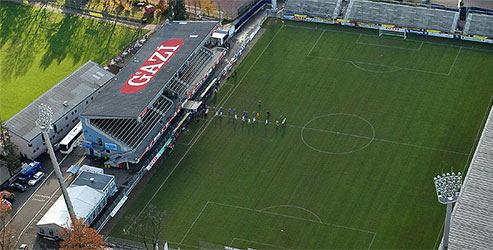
<point>151,67</point>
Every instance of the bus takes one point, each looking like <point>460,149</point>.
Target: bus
<point>67,143</point>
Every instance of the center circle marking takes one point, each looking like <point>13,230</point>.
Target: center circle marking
<point>337,132</point>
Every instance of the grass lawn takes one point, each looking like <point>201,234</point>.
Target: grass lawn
<point>38,48</point>
<point>370,119</point>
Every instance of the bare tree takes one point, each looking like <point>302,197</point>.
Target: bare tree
<point>148,226</point>
<point>7,232</point>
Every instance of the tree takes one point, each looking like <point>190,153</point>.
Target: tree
<point>148,226</point>
<point>80,236</point>
<point>207,6</point>
<point>11,157</point>
<point>7,232</point>
<point>177,10</point>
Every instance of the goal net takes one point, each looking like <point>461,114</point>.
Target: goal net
<point>388,31</point>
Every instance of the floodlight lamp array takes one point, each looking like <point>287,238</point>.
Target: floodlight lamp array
<point>448,187</point>
<point>45,116</point>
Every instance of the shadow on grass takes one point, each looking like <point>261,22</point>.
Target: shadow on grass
<point>25,32</point>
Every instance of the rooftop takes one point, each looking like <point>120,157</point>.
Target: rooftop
<point>113,103</point>
<point>472,223</point>
<point>73,89</point>
<point>99,181</point>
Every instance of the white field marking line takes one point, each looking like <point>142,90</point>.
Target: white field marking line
<point>382,140</point>
<point>193,137</point>
<point>292,217</point>
<point>30,197</point>
<point>255,242</point>
<point>196,219</point>
<point>350,32</point>
<point>315,44</point>
<point>386,46</point>
<point>421,46</point>
<point>439,233</point>
<point>369,138</point>
<point>342,152</point>
<point>480,129</point>
<point>41,209</point>
<point>383,65</point>
<point>221,103</point>
<point>374,71</point>
<point>455,60</point>
<point>371,243</point>
<point>293,206</point>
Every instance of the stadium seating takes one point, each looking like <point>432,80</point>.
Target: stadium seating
<point>402,15</point>
<point>315,8</point>
<point>478,24</point>
<point>130,131</point>
<point>181,83</point>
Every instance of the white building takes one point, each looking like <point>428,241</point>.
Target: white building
<point>89,193</point>
<point>67,99</point>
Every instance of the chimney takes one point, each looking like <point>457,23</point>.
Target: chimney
<point>92,179</point>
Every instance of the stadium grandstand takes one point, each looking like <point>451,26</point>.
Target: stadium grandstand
<point>479,22</point>
<point>403,14</point>
<point>472,223</point>
<point>139,104</point>
<point>314,8</point>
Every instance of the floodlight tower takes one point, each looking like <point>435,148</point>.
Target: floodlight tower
<point>448,189</point>
<point>44,123</point>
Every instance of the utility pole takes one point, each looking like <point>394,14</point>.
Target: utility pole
<point>448,189</point>
<point>44,123</point>
<point>219,10</point>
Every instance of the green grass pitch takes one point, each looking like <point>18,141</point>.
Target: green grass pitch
<point>38,48</point>
<point>370,119</point>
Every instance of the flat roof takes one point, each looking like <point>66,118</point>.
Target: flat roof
<point>472,220</point>
<point>74,89</point>
<point>98,182</point>
<point>113,103</point>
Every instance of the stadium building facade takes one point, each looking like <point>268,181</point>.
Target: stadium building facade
<point>139,104</point>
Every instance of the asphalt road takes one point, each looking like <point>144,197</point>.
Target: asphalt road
<point>29,207</point>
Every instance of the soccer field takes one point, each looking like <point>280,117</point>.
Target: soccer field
<point>38,48</point>
<point>370,121</point>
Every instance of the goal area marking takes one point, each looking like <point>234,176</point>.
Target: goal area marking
<point>263,211</point>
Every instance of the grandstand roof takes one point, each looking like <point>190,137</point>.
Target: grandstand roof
<point>75,88</point>
<point>472,223</point>
<point>112,103</point>
<point>485,4</point>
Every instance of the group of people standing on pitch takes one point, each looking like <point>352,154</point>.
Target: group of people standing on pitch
<point>255,116</point>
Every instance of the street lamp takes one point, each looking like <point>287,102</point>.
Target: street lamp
<point>44,123</point>
<point>448,188</point>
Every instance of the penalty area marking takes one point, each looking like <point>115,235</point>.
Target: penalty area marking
<point>339,133</point>
<point>276,214</point>
<point>255,242</point>
<point>395,68</point>
<point>293,206</point>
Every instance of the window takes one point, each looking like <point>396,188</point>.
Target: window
<point>66,117</point>
<point>29,145</point>
<point>87,102</point>
<point>72,113</point>
<point>54,127</point>
<point>75,111</point>
<point>92,97</point>
<point>107,151</point>
<point>100,142</point>
<point>41,230</point>
<point>51,232</point>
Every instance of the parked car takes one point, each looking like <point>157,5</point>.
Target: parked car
<point>17,187</point>
<point>7,195</point>
<point>7,203</point>
<point>24,247</point>
<point>28,170</point>
<point>36,178</point>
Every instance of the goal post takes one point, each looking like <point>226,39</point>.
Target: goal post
<point>391,31</point>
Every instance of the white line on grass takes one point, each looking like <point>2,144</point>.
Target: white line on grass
<point>293,206</point>
<point>351,32</point>
<point>221,103</point>
<point>255,242</point>
<point>383,65</point>
<point>314,45</point>
<point>196,219</point>
<point>386,46</point>
<point>369,138</point>
<point>455,60</point>
<point>276,214</point>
